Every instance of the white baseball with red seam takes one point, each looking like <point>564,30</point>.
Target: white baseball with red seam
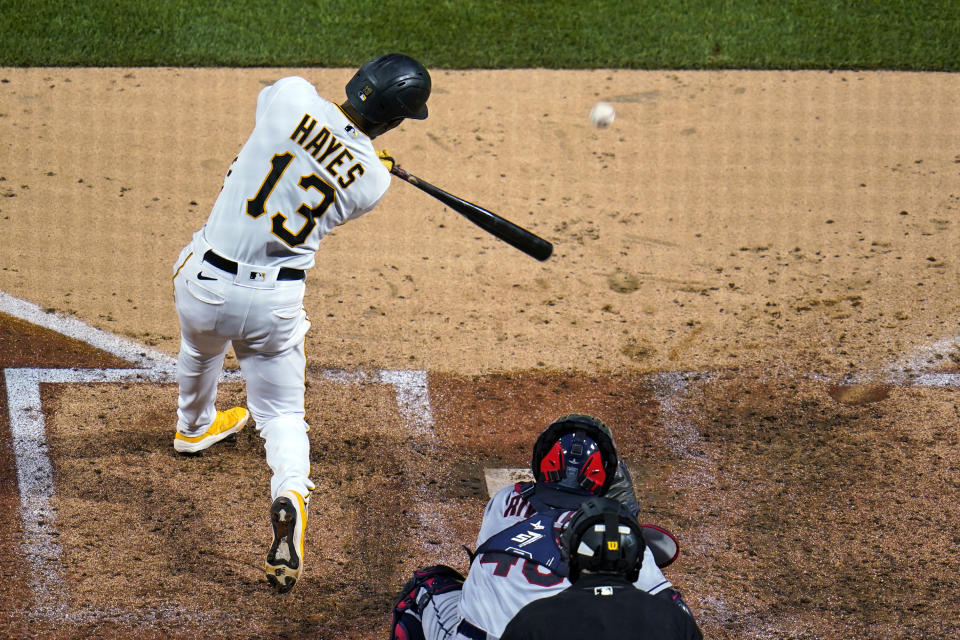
<point>602,114</point>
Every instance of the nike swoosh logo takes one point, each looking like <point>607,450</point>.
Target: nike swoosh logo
<point>200,276</point>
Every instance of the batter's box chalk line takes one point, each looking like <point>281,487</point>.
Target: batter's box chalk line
<point>40,546</point>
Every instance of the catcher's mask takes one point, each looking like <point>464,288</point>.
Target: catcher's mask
<point>389,89</point>
<point>575,455</point>
<point>603,537</point>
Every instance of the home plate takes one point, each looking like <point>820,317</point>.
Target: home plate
<point>500,478</point>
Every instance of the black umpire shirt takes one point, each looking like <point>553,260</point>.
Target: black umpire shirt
<point>601,607</point>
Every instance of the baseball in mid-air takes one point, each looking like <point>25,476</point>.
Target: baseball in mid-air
<point>602,115</point>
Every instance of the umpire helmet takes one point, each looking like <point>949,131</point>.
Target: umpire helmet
<point>575,454</point>
<point>390,88</point>
<point>603,537</point>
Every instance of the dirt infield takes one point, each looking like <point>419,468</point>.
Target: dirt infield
<point>754,284</point>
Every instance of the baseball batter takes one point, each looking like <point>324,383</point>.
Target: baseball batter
<point>518,558</point>
<point>308,166</point>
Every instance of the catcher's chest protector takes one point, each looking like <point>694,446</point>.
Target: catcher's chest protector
<point>533,539</point>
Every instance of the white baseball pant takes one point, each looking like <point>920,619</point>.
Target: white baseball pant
<point>265,322</point>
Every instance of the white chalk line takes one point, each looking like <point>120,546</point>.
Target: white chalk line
<point>35,471</point>
<point>35,479</point>
<point>912,367</point>
<point>670,388</point>
<point>413,402</point>
<point>136,354</point>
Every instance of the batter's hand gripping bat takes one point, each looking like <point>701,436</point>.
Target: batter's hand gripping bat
<point>529,243</point>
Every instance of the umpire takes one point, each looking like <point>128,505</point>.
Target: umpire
<point>604,547</point>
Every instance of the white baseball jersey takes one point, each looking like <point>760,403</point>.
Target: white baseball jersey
<point>496,588</point>
<point>304,170</point>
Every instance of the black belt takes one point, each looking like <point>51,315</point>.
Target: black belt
<point>231,267</point>
<point>470,631</point>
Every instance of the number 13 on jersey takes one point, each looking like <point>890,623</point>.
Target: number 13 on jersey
<point>256,206</point>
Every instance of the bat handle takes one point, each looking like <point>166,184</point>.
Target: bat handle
<point>403,175</point>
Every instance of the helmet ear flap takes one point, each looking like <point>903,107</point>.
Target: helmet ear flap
<point>552,465</point>
<point>593,475</point>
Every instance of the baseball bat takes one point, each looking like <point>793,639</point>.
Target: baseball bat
<point>531,244</point>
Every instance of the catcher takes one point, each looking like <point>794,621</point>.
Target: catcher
<point>518,558</point>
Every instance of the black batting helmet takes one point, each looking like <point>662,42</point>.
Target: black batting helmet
<point>391,87</point>
<point>576,456</point>
<point>603,537</point>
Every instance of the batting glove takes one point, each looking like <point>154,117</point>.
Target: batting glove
<point>386,159</point>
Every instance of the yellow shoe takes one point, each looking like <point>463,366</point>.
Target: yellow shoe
<point>288,515</point>
<point>226,423</point>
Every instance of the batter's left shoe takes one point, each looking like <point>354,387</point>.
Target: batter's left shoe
<point>288,516</point>
<point>225,424</point>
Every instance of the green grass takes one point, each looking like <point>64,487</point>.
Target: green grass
<point>669,34</point>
